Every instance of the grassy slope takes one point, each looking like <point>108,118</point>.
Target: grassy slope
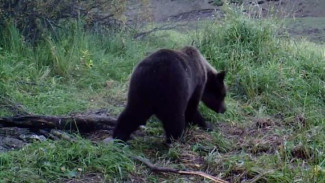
<point>312,28</point>
<point>272,132</point>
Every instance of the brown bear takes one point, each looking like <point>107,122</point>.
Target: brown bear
<point>170,84</point>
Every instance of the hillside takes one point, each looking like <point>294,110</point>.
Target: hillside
<point>304,18</point>
<point>273,130</point>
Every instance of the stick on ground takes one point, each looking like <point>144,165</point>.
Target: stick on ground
<point>182,172</point>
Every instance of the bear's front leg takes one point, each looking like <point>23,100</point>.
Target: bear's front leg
<point>199,120</point>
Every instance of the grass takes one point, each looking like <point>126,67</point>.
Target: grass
<point>272,131</point>
<point>311,27</point>
<point>50,161</point>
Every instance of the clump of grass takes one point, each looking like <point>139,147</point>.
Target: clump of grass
<point>49,161</point>
<point>271,76</point>
<point>263,70</point>
<point>69,60</point>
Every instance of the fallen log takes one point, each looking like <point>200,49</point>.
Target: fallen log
<point>81,123</point>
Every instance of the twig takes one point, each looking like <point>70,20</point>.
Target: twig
<point>172,170</point>
<point>258,177</point>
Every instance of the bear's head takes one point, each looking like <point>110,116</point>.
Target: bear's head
<point>215,92</point>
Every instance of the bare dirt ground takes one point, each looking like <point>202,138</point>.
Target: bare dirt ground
<point>162,10</point>
<point>304,18</point>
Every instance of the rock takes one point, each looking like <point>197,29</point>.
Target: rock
<point>108,140</point>
<point>12,143</point>
<point>32,138</point>
<point>10,138</point>
<point>13,131</point>
<point>2,149</point>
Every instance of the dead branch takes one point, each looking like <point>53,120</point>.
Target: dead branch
<point>260,176</point>
<point>81,123</point>
<point>172,170</point>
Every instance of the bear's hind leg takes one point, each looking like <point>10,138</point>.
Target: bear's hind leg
<point>173,123</point>
<point>129,121</point>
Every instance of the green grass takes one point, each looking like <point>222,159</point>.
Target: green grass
<point>311,28</point>
<point>265,70</point>
<point>52,161</point>
<point>273,130</point>
<point>63,75</point>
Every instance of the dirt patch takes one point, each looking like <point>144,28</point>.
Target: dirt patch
<point>172,11</point>
<point>256,137</point>
<point>313,34</point>
<point>201,14</point>
<point>194,147</point>
<point>301,152</point>
<point>87,178</point>
<point>160,10</point>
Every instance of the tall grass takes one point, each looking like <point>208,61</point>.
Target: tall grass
<point>275,77</point>
<point>266,71</point>
<point>46,77</point>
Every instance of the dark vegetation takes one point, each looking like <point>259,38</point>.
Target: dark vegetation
<point>273,130</point>
<point>37,19</point>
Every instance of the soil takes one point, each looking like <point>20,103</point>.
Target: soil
<point>87,178</point>
<point>162,10</point>
<point>190,10</point>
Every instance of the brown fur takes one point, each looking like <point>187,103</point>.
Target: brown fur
<point>170,85</point>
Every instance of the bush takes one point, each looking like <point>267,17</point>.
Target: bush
<point>36,18</point>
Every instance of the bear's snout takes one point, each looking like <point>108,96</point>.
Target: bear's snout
<point>222,108</point>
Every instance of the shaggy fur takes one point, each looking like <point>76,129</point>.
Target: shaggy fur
<point>170,84</point>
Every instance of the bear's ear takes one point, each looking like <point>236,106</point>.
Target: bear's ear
<point>221,75</point>
<point>191,51</point>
